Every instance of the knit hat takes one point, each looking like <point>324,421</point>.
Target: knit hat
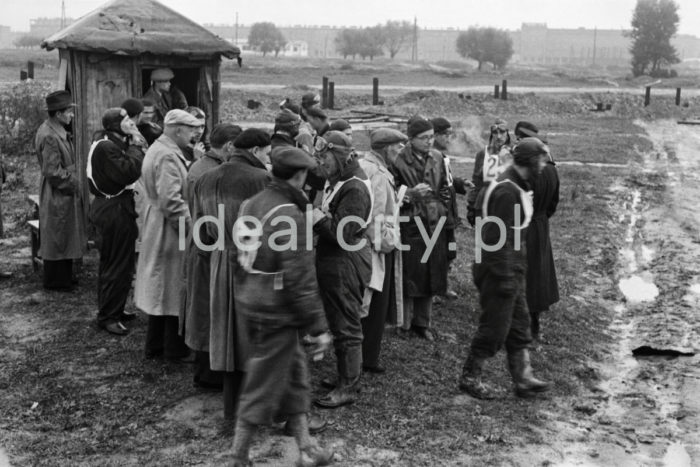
<point>417,126</point>
<point>223,133</point>
<point>132,106</point>
<point>251,138</point>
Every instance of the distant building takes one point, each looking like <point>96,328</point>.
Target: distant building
<point>296,49</point>
<point>7,37</point>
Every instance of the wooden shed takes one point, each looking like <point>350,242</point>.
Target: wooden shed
<point>107,56</point>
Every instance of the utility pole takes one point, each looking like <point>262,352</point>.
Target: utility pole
<point>235,38</point>
<point>63,14</point>
<point>595,38</point>
<point>414,45</point>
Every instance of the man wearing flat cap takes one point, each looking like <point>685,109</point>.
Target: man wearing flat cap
<point>286,129</point>
<point>342,126</point>
<point>166,220</point>
<point>240,177</point>
<point>163,94</point>
<point>278,296</point>
<point>113,165</point>
<point>194,312</point>
<point>61,211</point>
<point>499,275</point>
<point>488,164</point>
<point>343,259</point>
<point>422,170</point>
<point>383,299</point>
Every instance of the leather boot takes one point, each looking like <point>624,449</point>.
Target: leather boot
<point>470,381</point>
<point>526,385</point>
<point>241,443</point>
<point>349,363</point>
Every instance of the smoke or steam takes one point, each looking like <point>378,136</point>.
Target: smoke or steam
<point>468,137</point>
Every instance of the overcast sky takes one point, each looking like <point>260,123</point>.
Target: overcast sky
<point>507,14</point>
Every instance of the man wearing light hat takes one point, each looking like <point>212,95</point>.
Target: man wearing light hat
<point>243,175</point>
<point>164,96</point>
<point>61,212</point>
<point>384,292</point>
<point>166,221</point>
<point>499,276</point>
<point>278,295</point>
<point>422,170</point>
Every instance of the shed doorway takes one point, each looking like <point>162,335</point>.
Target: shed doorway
<point>186,80</point>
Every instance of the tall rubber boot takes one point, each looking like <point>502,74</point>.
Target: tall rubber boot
<point>470,381</point>
<point>526,385</point>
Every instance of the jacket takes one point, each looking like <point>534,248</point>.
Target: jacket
<point>61,206</point>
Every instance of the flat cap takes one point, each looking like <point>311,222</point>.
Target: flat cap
<point>382,137</point>
<point>440,124</point>
<point>310,99</point>
<point>337,139</point>
<point>285,157</point>
<point>528,149</point>
<point>222,133</point>
<point>339,125</point>
<point>180,117</point>
<point>286,117</point>
<point>162,74</point>
<point>416,126</point>
<point>251,138</point>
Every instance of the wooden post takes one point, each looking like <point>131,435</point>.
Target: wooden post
<point>22,75</point>
<point>504,90</point>
<point>678,96</point>
<point>324,93</point>
<point>30,69</point>
<point>496,91</point>
<point>647,96</point>
<point>331,94</point>
<point>375,91</point>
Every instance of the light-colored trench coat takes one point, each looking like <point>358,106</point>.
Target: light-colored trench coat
<point>165,191</point>
<point>61,211</point>
<point>383,230</point>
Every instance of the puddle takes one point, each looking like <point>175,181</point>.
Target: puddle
<point>637,289</point>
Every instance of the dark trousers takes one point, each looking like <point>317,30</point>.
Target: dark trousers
<point>162,337</point>
<point>277,376</point>
<point>373,324</point>
<point>504,318</point>
<point>203,373</point>
<point>58,274</point>
<point>116,224</point>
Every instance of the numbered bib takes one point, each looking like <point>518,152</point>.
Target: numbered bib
<point>491,166</point>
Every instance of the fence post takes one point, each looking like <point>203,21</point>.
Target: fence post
<point>30,69</point>
<point>22,75</point>
<point>504,90</point>
<point>324,93</point>
<point>647,96</point>
<point>496,91</point>
<point>375,91</point>
<point>331,94</point>
<point>678,96</point>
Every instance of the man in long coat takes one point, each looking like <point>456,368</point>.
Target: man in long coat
<point>166,224</point>
<point>343,259</point>
<point>194,313</point>
<point>499,274</point>
<point>422,170</point>
<point>228,185</point>
<point>114,164</point>
<point>61,206</point>
<point>384,293</point>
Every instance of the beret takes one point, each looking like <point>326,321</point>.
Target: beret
<point>382,137</point>
<point>419,125</point>
<point>440,124</point>
<point>132,106</point>
<point>339,125</point>
<point>112,118</point>
<point>162,74</point>
<point>286,116</point>
<point>251,138</point>
<point>287,157</point>
<point>59,100</point>
<point>527,149</point>
<point>316,112</point>
<point>310,99</point>
<point>180,117</point>
<point>223,133</point>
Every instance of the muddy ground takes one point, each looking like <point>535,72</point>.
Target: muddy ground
<point>627,244</point>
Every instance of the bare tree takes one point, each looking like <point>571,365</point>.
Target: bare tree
<point>397,34</point>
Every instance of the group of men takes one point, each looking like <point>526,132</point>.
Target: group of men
<point>257,245</point>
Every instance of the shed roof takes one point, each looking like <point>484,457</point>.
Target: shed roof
<point>134,27</point>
